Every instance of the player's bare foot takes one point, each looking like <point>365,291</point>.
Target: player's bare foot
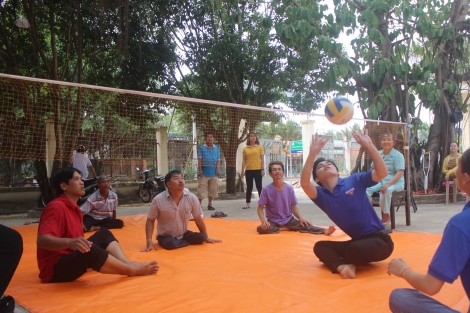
<point>330,230</point>
<point>144,269</point>
<point>347,271</point>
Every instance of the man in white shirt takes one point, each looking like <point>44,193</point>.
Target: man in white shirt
<point>82,163</point>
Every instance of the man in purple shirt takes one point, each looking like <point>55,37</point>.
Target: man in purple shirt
<point>280,202</point>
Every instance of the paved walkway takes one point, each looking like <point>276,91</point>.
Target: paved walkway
<point>430,218</point>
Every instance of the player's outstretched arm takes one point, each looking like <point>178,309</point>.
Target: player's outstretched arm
<point>264,221</point>
<point>380,170</point>
<point>150,245</point>
<point>202,228</point>
<point>305,178</point>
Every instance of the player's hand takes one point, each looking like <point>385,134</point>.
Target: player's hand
<point>384,188</point>
<point>263,172</point>
<point>317,144</point>
<point>213,240</point>
<point>242,174</point>
<point>217,172</point>
<point>447,177</point>
<point>150,246</point>
<point>305,223</point>
<point>265,224</point>
<point>363,140</point>
<point>396,267</point>
<point>200,174</point>
<point>80,244</point>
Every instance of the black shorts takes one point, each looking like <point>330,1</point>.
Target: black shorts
<point>72,266</point>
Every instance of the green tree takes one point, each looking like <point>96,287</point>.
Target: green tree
<point>232,55</point>
<point>116,44</point>
<point>402,50</point>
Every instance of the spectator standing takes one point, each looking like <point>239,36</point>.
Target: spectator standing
<point>82,163</point>
<point>208,159</point>
<point>253,166</point>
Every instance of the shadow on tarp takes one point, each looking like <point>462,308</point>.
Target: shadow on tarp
<point>246,273</point>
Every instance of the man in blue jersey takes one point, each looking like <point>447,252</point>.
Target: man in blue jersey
<point>346,204</point>
<point>208,159</point>
<point>451,260</point>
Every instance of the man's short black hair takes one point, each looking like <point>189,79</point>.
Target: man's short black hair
<point>64,175</point>
<point>315,164</point>
<point>171,174</point>
<point>207,134</point>
<point>275,163</point>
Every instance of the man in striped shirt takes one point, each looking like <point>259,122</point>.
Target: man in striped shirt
<point>99,211</point>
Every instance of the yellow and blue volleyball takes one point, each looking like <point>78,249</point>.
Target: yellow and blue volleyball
<point>339,110</point>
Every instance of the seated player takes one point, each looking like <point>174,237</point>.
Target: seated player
<point>280,202</point>
<point>99,211</point>
<point>346,204</point>
<point>63,253</point>
<point>173,209</point>
<point>11,249</point>
<point>451,260</point>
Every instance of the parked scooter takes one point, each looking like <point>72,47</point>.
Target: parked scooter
<point>150,188</point>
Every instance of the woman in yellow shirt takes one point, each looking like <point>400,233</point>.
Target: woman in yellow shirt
<point>449,168</point>
<point>253,166</point>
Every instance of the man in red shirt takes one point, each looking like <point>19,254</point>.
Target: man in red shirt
<point>63,253</point>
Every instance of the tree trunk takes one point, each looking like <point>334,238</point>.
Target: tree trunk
<point>43,181</point>
<point>231,179</point>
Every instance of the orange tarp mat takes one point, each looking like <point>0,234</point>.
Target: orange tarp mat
<point>246,273</point>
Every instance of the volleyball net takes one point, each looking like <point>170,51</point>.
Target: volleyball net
<point>124,131</point>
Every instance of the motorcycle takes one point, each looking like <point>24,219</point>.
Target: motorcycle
<point>150,188</point>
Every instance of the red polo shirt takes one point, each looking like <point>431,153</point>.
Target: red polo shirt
<point>62,219</point>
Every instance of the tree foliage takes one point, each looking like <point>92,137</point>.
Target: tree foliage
<point>109,43</point>
<point>230,53</point>
<point>402,52</point>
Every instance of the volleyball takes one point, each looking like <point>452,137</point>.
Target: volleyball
<point>339,110</point>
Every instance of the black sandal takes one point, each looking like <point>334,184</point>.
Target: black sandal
<point>210,208</point>
<point>219,214</point>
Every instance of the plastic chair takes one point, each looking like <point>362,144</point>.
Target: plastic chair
<point>454,190</point>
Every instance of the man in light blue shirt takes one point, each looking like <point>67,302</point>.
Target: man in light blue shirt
<point>394,181</point>
<point>208,157</point>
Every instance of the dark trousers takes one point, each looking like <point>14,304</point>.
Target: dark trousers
<point>11,249</point>
<point>249,176</point>
<point>371,248</point>
<point>293,225</point>
<point>189,238</point>
<point>108,222</point>
<point>72,266</point>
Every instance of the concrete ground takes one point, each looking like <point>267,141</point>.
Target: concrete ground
<point>429,218</point>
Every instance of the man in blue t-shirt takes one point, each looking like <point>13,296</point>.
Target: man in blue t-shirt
<point>346,204</point>
<point>451,260</point>
<point>280,202</point>
<point>208,159</point>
